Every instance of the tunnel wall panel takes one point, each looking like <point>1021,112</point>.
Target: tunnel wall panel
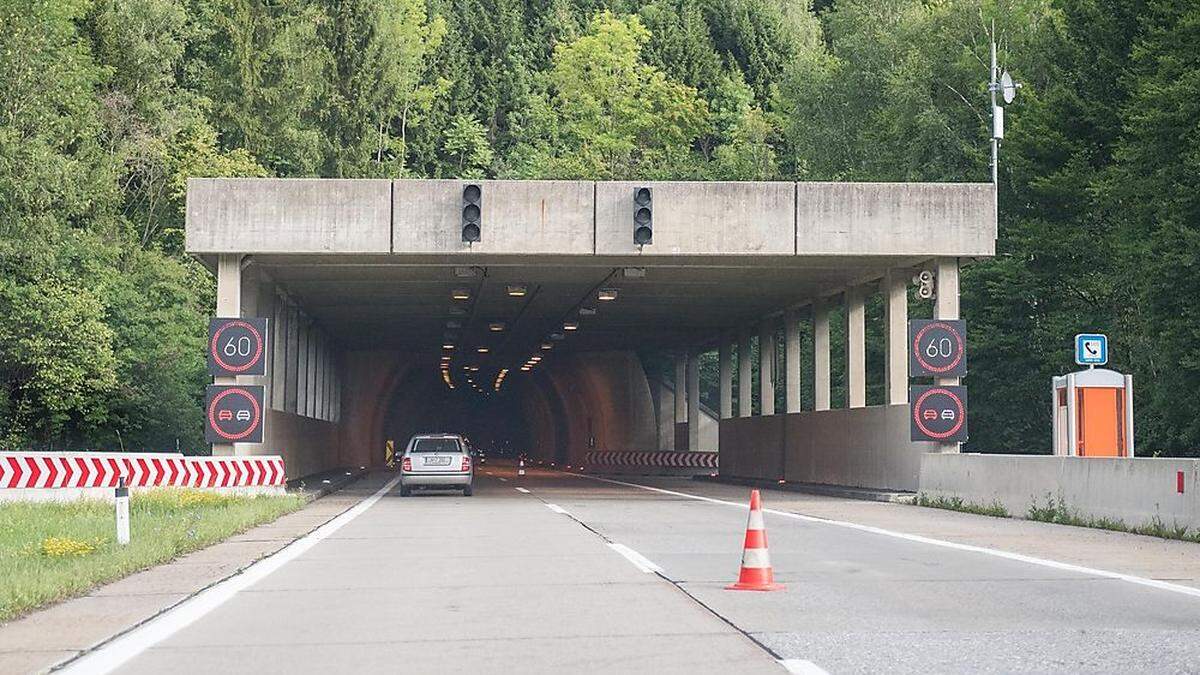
<point>752,447</point>
<point>700,218</point>
<point>307,445</point>
<point>294,215</point>
<point>520,217</point>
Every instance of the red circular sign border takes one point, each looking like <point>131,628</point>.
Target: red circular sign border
<point>962,417</point>
<point>253,424</point>
<point>216,354</point>
<point>916,346</point>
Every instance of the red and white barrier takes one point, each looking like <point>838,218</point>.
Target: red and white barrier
<point>662,459</point>
<point>81,470</point>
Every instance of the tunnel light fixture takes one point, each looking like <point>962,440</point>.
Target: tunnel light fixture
<point>607,294</point>
<point>461,294</point>
<point>547,346</point>
<point>496,326</point>
<point>483,350</point>
<point>473,369</point>
<point>448,346</point>
<point>517,291</point>
<point>587,311</point>
<point>535,358</point>
<point>526,368</point>
<point>571,325</point>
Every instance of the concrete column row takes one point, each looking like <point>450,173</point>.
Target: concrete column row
<point>894,288</point>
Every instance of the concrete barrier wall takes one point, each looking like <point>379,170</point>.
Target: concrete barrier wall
<point>307,445</point>
<point>1134,491</point>
<point>858,447</point>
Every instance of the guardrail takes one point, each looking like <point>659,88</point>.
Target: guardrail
<point>81,470</point>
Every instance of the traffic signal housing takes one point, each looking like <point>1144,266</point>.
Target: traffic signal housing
<point>643,216</point>
<point>472,197</point>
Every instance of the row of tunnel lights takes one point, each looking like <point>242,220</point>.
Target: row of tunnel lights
<point>514,291</point>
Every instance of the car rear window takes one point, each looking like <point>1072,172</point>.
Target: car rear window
<point>436,445</point>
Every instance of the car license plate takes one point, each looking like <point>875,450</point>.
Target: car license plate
<point>437,461</point>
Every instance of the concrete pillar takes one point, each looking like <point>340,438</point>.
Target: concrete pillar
<point>895,320</point>
<point>766,368</point>
<point>229,304</point>
<point>791,379</point>
<point>725,376</point>
<point>946,307</point>
<point>693,400</point>
<point>680,388</point>
<point>744,367</point>
<point>856,349</point>
<point>821,377</point>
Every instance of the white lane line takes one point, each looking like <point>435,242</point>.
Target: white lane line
<point>1008,555</point>
<point>639,561</point>
<point>802,667</point>
<point>557,509</point>
<point>502,479</point>
<point>523,490</point>
<point>111,655</point>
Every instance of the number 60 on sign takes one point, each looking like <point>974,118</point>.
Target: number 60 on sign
<point>237,347</point>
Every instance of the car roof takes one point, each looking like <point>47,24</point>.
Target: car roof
<point>437,436</point>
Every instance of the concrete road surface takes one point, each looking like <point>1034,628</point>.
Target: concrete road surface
<point>555,573</point>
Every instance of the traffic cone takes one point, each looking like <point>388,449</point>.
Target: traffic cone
<point>756,573</point>
<point>521,468</point>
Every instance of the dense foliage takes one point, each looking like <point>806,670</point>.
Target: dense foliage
<point>107,106</point>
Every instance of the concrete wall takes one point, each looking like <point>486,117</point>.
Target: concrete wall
<point>1134,491</point>
<point>937,219</point>
<point>298,215</point>
<point>541,216</point>
<point>858,447</point>
<point>699,218</point>
<point>267,215</point>
<point>307,445</point>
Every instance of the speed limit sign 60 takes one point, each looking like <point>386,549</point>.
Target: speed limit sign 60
<point>237,347</point>
<point>937,348</point>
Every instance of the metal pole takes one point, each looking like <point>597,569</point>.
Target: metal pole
<point>122,509</point>
<point>993,84</point>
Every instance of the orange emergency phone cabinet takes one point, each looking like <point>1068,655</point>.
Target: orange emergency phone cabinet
<point>1093,414</point>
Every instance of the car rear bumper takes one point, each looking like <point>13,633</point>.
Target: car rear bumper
<point>435,479</point>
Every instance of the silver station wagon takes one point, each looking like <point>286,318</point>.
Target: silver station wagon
<point>436,461</point>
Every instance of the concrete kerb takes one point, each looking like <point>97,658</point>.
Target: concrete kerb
<point>842,491</point>
<point>317,485</point>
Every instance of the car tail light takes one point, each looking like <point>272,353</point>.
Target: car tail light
<point>406,465</point>
<point>466,466</point>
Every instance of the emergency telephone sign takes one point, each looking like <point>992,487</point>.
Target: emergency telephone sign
<point>937,348</point>
<point>237,347</point>
<point>233,414</point>
<point>939,413</point>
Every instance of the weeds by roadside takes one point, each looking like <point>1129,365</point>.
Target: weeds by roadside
<point>52,551</point>
<point>995,509</point>
<point>1056,510</point>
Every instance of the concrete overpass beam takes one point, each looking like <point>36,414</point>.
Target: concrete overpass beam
<point>856,348</point>
<point>725,376</point>
<point>895,320</point>
<point>744,373</point>
<point>766,368</point>
<point>946,307</point>
<point>693,400</point>
<point>229,304</point>
<point>821,377</point>
<point>791,333</point>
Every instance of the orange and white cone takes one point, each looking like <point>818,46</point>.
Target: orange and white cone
<point>521,467</point>
<point>756,573</point>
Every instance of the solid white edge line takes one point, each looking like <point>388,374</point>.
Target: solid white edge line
<point>113,654</point>
<point>639,561</point>
<point>521,489</point>
<point>1019,557</point>
<point>556,508</point>
<point>802,667</point>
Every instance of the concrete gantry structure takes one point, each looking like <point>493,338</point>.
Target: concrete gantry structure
<point>365,281</point>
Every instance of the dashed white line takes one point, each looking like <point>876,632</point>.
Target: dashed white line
<point>111,655</point>
<point>639,561</point>
<point>802,667</point>
<point>557,509</point>
<point>502,479</point>
<point>520,489</point>
<point>1008,555</point>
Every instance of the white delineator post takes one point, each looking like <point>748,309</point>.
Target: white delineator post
<point>121,502</point>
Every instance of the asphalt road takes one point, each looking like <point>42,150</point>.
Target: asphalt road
<point>552,578</point>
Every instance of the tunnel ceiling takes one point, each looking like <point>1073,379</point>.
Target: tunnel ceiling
<point>381,302</point>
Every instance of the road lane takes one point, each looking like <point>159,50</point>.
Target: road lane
<point>438,582</point>
<point>863,602</point>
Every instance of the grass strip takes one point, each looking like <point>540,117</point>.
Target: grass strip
<point>51,551</point>
<point>995,509</point>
